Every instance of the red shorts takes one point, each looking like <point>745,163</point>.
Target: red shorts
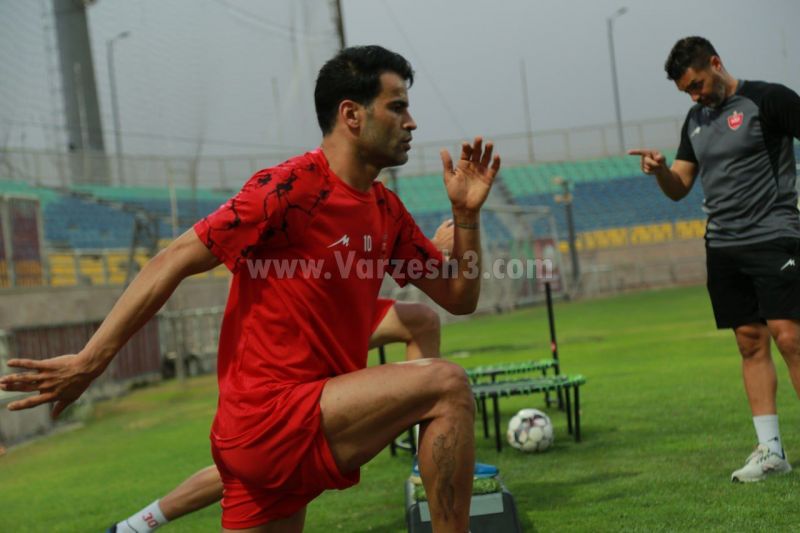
<point>256,490</point>
<point>249,502</point>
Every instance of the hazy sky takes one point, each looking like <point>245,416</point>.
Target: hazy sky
<point>469,51</point>
<point>239,74</point>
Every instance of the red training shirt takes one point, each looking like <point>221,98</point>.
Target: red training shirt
<point>285,327</point>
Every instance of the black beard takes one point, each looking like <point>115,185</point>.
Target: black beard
<point>717,96</point>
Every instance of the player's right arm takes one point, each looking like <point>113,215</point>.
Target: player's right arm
<point>675,181</point>
<point>63,379</point>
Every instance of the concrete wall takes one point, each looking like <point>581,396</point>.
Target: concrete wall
<point>615,270</point>
<point>55,305</point>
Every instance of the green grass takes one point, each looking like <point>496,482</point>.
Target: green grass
<point>664,420</point>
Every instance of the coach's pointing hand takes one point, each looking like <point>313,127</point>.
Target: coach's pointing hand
<point>652,161</point>
<point>60,379</point>
<point>469,182</point>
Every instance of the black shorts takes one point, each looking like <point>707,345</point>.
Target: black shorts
<point>755,282</point>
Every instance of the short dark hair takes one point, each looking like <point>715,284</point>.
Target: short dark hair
<point>694,52</point>
<point>354,74</point>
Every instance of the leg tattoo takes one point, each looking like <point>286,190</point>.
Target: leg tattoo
<point>444,450</point>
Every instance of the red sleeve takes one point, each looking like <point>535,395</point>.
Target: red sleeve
<point>413,254</point>
<point>273,209</point>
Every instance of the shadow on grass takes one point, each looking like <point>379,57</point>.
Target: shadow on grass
<point>559,493</point>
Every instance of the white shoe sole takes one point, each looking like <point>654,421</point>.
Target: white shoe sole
<point>767,474</point>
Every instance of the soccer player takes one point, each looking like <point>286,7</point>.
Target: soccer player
<point>415,324</point>
<point>738,139</point>
<point>298,412</point>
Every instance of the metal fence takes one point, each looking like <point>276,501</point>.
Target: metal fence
<point>555,145</point>
<point>59,169</point>
<point>514,265</point>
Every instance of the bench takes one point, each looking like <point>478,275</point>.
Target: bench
<point>503,369</point>
<point>568,385</point>
<point>492,371</point>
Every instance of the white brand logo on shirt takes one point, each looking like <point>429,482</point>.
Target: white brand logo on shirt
<point>345,240</point>
<point>695,132</point>
<point>789,263</point>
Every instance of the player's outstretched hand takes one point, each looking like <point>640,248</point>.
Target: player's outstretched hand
<point>469,181</point>
<point>651,160</point>
<point>60,379</point>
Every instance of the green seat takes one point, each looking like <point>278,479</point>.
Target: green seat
<point>492,371</point>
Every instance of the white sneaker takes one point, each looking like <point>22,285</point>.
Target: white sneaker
<point>761,463</point>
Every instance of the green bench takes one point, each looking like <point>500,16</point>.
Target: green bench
<point>563,386</point>
<point>477,373</point>
<point>492,371</point>
<point>568,385</point>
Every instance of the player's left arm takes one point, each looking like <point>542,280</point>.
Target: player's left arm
<point>468,183</point>
<point>780,109</point>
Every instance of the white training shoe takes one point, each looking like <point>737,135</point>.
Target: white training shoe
<point>761,463</point>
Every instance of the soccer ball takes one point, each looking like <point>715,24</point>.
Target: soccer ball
<point>530,430</point>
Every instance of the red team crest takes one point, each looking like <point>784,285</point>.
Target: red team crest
<point>735,120</point>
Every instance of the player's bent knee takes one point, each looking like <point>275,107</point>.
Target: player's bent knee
<point>420,318</point>
<point>429,319</point>
<point>453,385</point>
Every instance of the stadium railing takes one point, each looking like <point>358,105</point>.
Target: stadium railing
<point>57,168</point>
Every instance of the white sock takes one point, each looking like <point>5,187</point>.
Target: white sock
<point>768,433</point>
<point>148,519</point>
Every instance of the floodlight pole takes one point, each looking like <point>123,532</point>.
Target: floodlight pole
<point>615,84</point>
<point>112,82</point>
<point>339,19</point>
<point>523,75</point>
